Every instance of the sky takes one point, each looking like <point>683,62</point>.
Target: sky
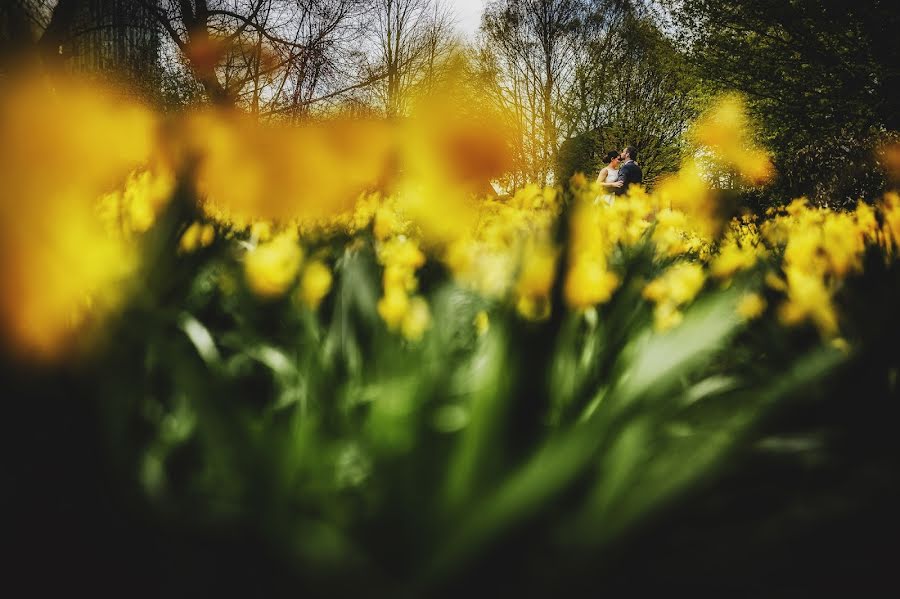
<point>468,15</point>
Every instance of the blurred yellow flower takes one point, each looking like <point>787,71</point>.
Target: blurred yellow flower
<point>843,243</point>
<point>840,344</point>
<point>731,259</point>
<point>482,323</point>
<point>594,229</point>
<point>533,307</point>
<point>196,236</point>
<point>866,220</point>
<point>401,251</point>
<point>674,288</point>
<point>460,256</point>
<point>393,306</point>
<point>401,257</point>
<point>578,181</point>
<point>135,207</point>
<point>270,268</point>
<point>726,130</point>
<point>751,306</point>
<point>678,285</point>
<point>261,231</point>
<point>537,270</point>
<point>526,197</point>
<point>890,208</point>
<point>671,232</point>
<point>62,267</point>
<point>687,191</point>
<point>315,283</point>
<point>190,239</point>
<point>416,320</point>
<point>666,316</point>
<point>387,223</point>
<point>145,195</point>
<point>248,171</point>
<point>589,283</point>
<point>207,235</point>
<point>775,282</point>
<point>401,276</point>
<point>808,298</point>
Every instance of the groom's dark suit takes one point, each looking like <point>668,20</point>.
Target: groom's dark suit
<point>629,173</point>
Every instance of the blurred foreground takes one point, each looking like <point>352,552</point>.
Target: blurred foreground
<point>273,360</point>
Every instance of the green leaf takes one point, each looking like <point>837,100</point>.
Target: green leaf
<point>200,337</point>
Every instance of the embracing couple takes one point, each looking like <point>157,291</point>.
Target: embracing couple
<point>620,172</point>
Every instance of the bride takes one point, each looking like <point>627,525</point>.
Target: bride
<point>608,177</point>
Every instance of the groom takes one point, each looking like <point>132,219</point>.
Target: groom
<point>629,171</point>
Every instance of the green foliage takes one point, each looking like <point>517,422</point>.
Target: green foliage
<point>367,461</point>
<point>821,76</point>
<point>634,89</point>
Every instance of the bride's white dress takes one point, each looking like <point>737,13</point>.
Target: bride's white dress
<point>611,175</point>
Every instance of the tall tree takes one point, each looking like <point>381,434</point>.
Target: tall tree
<point>98,37</point>
<point>271,56</point>
<point>411,40</point>
<point>535,46</point>
<point>821,75</point>
<point>632,87</point>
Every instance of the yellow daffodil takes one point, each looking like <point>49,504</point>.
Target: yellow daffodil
<point>270,268</point>
<point>751,306</point>
<point>315,283</point>
<point>416,320</point>
<point>393,306</point>
<point>589,283</point>
<point>482,323</point>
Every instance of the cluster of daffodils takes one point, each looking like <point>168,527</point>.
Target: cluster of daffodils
<point>508,253</point>
<point>740,249</point>
<point>677,287</point>
<point>888,234</point>
<point>134,208</point>
<point>805,252</point>
<point>820,248</point>
<point>598,230</point>
<point>400,256</point>
<point>272,266</point>
<point>678,234</point>
<point>280,195</point>
<point>401,309</point>
<point>589,280</point>
<point>681,239</point>
<point>726,132</point>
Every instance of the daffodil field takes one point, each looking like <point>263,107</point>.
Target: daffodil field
<point>325,338</point>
